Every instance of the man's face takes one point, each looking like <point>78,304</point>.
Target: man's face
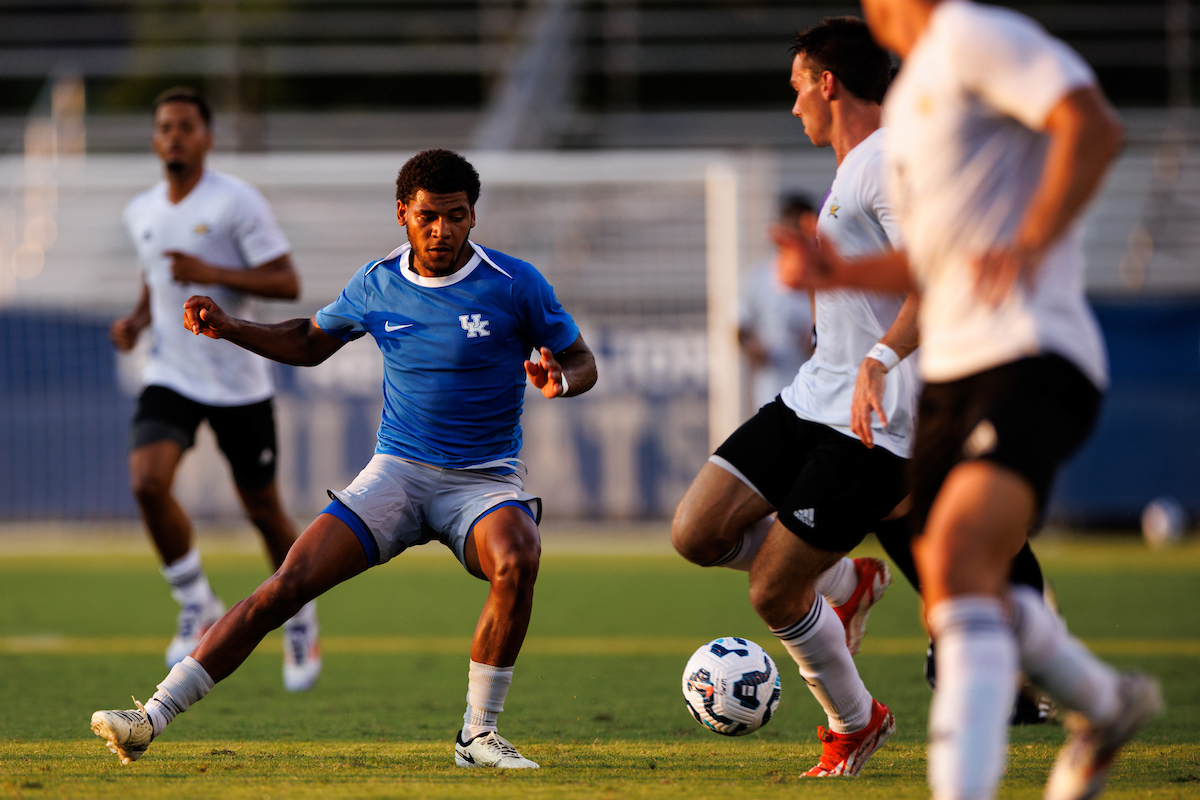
<point>812,103</point>
<point>437,225</point>
<point>181,139</point>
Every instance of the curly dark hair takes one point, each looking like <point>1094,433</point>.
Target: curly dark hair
<point>843,46</point>
<point>437,172</point>
<point>185,94</point>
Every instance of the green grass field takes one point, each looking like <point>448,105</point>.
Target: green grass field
<point>596,697</point>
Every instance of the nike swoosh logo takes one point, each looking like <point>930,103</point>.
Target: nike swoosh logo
<point>466,756</point>
<point>387,326</point>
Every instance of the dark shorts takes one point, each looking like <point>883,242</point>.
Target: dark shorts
<point>828,488</point>
<point>1027,416</point>
<point>245,434</point>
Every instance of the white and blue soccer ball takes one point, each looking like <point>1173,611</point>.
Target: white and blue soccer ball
<point>731,686</point>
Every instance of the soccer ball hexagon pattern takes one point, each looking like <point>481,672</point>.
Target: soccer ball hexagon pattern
<point>731,686</point>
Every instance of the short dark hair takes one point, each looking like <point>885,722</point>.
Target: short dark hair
<point>437,172</point>
<point>843,46</point>
<point>184,94</point>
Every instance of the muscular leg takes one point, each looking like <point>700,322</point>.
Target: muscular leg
<point>326,554</point>
<point>503,548</point>
<point>977,524</point>
<point>713,513</point>
<point>152,474</point>
<point>266,513</point>
<point>781,579</point>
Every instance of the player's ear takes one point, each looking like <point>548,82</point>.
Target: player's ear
<point>472,216</point>
<point>400,209</point>
<point>828,85</point>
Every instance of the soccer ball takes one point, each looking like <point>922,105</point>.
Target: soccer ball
<point>731,686</point>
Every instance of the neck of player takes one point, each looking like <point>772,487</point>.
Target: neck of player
<point>182,178</point>
<point>853,121</point>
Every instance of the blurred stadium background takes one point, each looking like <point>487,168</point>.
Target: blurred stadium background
<point>633,150</point>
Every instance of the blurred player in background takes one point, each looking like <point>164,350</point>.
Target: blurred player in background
<point>200,228</point>
<point>997,137</point>
<point>800,457</point>
<point>775,321</point>
<point>456,323</point>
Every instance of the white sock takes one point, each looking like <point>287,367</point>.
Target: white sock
<point>189,584</point>
<point>749,542</point>
<point>1058,662</point>
<point>487,687</point>
<point>185,684</point>
<point>977,677</point>
<point>306,616</point>
<point>817,643</point>
<point>837,584</point>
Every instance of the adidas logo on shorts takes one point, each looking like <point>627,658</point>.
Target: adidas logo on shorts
<point>806,515</point>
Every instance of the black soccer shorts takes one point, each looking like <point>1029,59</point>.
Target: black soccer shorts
<point>245,434</point>
<point>828,488</point>
<point>1028,415</point>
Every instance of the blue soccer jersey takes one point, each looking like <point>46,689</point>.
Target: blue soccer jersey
<point>453,351</point>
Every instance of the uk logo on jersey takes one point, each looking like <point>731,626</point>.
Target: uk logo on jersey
<point>475,325</point>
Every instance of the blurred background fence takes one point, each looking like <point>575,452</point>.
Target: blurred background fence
<point>633,150</point>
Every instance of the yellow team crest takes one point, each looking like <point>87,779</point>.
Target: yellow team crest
<point>201,229</point>
<point>834,207</point>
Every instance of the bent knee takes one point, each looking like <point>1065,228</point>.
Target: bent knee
<point>518,562</point>
<point>150,487</point>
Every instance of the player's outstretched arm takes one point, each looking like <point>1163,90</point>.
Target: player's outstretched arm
<point>576,364</point>
<point>125,331</point>
<point>902,338</point>
<point>276,278</point>
<point>298,342</point>
<point>804,264</point>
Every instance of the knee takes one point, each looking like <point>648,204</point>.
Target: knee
<point>281,595</point>
<point>149,487</point>
<point>690,538</point>
<point>516,564</point>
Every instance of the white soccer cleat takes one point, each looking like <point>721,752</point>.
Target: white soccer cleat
<point>874,578</point>
<point>128,733</point>
<point>489,750</point>
<point>191,625</point>
<point>301,652</point>
<point>1082,767</point>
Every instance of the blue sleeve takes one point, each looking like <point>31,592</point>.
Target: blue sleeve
<point>543,320</point>
<point>344,317</point>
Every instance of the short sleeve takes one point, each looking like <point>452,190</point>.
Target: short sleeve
<point>542,318</point>
<point>875,200</point>
<point>1012,63</point>
<point>255,230</point>
<point>344,317</point>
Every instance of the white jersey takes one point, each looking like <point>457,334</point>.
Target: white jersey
<point>965,154</point>
<point>227,223</point>
<point>857,219</point>
<point>781,319</point>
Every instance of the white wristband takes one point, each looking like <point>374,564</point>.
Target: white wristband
<point>884,355</point>
<point>562,381</point>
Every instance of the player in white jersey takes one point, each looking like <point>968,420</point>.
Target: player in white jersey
<point>456,324</point>
<point>794,489</point>
<point>998,137</point>
<point>199,228</point>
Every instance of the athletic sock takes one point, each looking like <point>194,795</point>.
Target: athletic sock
<point>186,683</point>
<point>749,542</point>
<point>837,584</point>
<point>487,687</point>
<point>817,643</point>
<point>1058,662</point>
<point>189,584</point>
<point>968,719</point>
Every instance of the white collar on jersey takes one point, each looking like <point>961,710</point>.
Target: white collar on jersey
<point>412,277</point>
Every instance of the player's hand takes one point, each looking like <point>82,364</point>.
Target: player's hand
<point>868,398</point>
<point>189,269</point>
<point>545,374</point>
<point>998,271</point>
<point>124,333</point>
<point>801,263</point>
<point>202,316</point>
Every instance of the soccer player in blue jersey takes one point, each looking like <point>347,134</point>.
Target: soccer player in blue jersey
<point>456,323</point>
